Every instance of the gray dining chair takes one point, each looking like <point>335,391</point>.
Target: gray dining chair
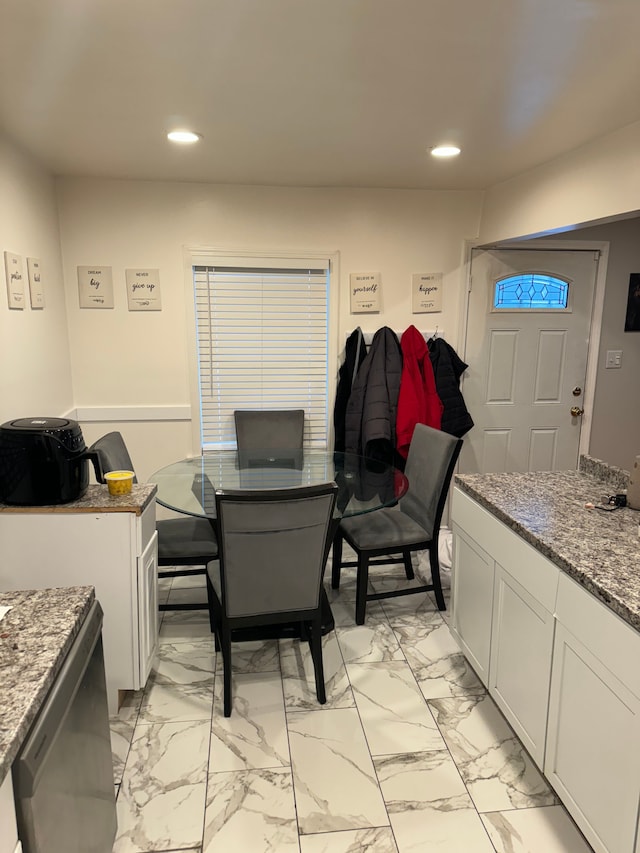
<point>185,545</point>
<point>262,435</point>
<point>274,546</point>
<point>413,525</point>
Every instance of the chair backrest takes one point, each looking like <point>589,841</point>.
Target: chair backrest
<point>430,462</point>
<point>110,453</point>
<point>269,429</point>
<point>273,548</point>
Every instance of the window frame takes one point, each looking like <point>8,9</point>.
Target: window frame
<point>218,256</point>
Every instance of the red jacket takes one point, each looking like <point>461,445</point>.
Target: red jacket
<point>418,401</point>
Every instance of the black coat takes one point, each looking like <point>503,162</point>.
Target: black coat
<point>448,367</point>
<point>355,351</point>
<point>370,422</point>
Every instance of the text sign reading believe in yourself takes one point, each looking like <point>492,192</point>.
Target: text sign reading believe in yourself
<point>365,292</point>
<point>143,290</point>
<point>426,292</point>
<point>95,287</point>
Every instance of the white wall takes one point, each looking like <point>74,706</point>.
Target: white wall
<point>35,371</point>
<point>596,182</point>
<point>139,359</point>
<point>615,426</point>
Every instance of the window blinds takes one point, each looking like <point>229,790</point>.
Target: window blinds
<point>262,337</point>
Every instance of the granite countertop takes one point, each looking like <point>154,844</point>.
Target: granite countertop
<point>35,637</point>
<point>599,550</point>
<point>98,499</point>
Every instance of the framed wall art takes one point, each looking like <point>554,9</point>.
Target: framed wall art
<point>95,287</point>
<point>143,290</point>
<point>426,292</point>
<point>632,318</point>
<point>36,286</point>
<point>365,289</point>
<point>15,280</point>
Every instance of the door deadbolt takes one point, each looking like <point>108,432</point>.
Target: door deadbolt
<point>576,411</point>
<point>577,391</point>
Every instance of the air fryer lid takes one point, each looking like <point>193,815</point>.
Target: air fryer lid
<point>63,430</point>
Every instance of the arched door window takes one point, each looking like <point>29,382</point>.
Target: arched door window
<point>531,291</point>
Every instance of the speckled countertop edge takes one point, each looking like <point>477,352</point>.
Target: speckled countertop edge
<point>600,550</point>
<point>97,499</point>
<point>35,637</point>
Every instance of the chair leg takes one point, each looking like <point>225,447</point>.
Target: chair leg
<point>226,662</point>
<point>336,560</point>
<point>408,565</point>
<point>434,562</point>
<point>362,585</point>
<point>210,595</point>
<point>315,643</point>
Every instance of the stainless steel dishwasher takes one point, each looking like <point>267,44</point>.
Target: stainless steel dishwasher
<point>63,775</point>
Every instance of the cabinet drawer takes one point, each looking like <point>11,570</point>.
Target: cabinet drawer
<point>534,572</point>
<point>603,633</point>
<point>147,527</point>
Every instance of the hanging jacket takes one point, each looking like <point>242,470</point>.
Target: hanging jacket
<point>418,401</point>
<point>370,421</point>
<point>448,367</point>
<point>355,351</point>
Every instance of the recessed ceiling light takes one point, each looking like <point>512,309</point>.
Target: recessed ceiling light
<point>445,151</point>
<point>186,137</point>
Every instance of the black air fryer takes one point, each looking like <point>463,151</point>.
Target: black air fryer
<point>43,461</point>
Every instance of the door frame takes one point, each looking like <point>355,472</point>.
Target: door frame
<point>593,346</point>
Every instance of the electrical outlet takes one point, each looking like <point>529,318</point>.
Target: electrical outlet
<point>614,358</point>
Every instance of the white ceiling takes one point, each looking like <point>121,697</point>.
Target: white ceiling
<point>315,92</point>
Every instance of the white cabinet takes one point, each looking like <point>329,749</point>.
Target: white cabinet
<point>472,600</point>
<point>504,595</point>
<point>8,829</point>
<point>116,552</point>
<point>593,742</point>
<point>520,668</point>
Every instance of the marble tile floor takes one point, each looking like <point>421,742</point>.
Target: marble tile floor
<point>409,754</point>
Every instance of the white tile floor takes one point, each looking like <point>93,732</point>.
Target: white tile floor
<point>409,755</point>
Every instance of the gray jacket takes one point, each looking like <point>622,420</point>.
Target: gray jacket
<point>370,421</point>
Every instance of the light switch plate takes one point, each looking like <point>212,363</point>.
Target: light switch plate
<point>614,358</point>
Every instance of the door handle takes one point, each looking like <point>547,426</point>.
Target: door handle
<point>576,411</point>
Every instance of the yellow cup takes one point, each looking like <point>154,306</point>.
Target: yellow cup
<point>119,482</point>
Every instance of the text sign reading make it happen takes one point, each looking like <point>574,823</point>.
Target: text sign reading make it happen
<point>143,290</point>
<point>365,292</point>
<point>427,292</point>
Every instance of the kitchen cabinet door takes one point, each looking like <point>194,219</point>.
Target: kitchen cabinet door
<point>520,669</point>
<point>593,746</point>
<point>472,601</point>
<point>8,828</point>
<point>148,607</point>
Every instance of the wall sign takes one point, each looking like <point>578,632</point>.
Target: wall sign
<point>426,292</point>
<point>15,280</point>
<point>95,287</point>
<point>143,290</point>
<point>365,288</point>
<point>36,286</point>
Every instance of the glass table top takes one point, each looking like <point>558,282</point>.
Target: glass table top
<point>364,485</point>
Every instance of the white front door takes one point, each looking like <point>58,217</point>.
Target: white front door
<point>527,366</point>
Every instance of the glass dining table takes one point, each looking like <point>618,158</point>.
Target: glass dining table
<point>364,485</point>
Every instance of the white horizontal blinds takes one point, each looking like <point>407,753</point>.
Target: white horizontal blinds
<point>262,344</point>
